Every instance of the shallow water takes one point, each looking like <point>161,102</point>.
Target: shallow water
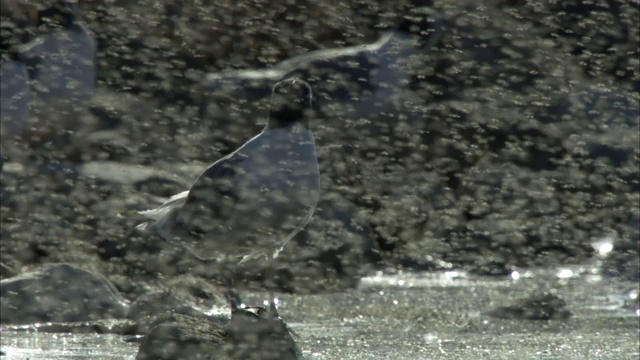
<point>34,345</point>
<point>419,316</point>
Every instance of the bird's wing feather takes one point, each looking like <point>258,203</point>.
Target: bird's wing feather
<point>247,84</point>
<point>327,55</point>
<point>172,203</point>
<point>156,213</point>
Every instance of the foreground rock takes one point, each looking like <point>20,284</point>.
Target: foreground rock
<point>544,306</point>
<point>59,293</point>
<point>253,333</point>
<point>182,337</point>
<point>260,334</point>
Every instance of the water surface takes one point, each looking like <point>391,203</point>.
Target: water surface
<point>419,316</point>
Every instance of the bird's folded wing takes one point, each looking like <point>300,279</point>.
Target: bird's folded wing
<point>157,213</point>
<point>213,197</point>
<point>173,202</point>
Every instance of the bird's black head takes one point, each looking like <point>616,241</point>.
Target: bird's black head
<point>425,22</point>
<point>291,100</point>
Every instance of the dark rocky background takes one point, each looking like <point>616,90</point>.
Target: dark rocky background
<point>515,145</point>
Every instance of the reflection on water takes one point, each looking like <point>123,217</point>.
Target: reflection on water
<point>34,345</point>
<point>420,316</point>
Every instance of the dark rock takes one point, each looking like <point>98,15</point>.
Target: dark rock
<point>252,333</point>
<point>492,266</point>
<point>257,333</point>
<point>544,306</point>
<point>59,293</point>
<point>108,249</point>
<point>162,301</point>
<point>185,295</point>
<point>180,337</point>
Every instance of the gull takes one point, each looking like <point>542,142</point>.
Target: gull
<point>251,202</point>
<point>363,77</point>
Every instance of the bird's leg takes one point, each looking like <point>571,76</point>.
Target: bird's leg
<point>270,283</point>
<point>231,295</point>
<point>273,309</point>
<point>272,304</point>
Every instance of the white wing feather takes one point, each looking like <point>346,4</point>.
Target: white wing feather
<point>172,203</point>
<point>158,213</point>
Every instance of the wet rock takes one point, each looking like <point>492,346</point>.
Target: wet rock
<point>184,294</point>
<point>544,306</point>
<point>163,301</point>
<point>492,266</point>
<point>260,334</point>
<point>180,337</point>
<point>252,333</point>
<point>59,293</point>
<point>424,263</point>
